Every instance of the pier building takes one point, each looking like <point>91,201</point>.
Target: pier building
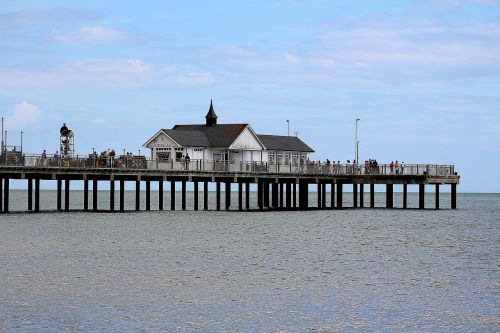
<point>234,147</point>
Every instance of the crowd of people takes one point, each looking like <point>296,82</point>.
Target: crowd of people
<point>371,166</point>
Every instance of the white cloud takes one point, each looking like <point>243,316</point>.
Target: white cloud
<point>92,35</point>
<point>25,114</point>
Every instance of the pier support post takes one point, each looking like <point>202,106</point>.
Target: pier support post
<point>59,195</point>
<point>137,194</point>
<point>405,196</point>
<point>183,185</point>
<point>389,195</point>
<point>361,195</point>
<point>288,195</point>
<point>37,194</point>
<point>260,202</point>
<point>94,195</point>
<point>421,196</point>
<point>319,195</point>
<point>247,195</point>
<point>172,195</point>
<point>453,196</point>
<point>372,195</point>
<point>355,195</point>
<point>85,194</point>
<point>240,196</point>
<point>160,195</point>
<point>274,194</point>
<point>228,195</point>
<point>195,204</point>
<point>148,194</point>
<point>112,195</point>
<point>205,195</point>
<point>437,196</point>
<point>332,195</point>
<point>281,196</point>
<point>6,195</point>
<point>339,195</point>
<point>217,194</point>
<point>66,195</point>
<point>122,195</point>
<point>1,194</point>
<point>303,195</point>
<point>323,195</point>
<point>294,199</point>
<point>30,194</point>
<point>266,194</point>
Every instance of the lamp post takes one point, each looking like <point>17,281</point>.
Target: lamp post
<point>288,127</point>
<point>356,142</point>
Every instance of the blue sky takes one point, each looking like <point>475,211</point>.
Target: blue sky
<point>423,76</point>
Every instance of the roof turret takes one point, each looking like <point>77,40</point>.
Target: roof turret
<point>211,117</point>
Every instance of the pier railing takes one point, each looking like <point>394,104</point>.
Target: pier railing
<point>134,162</point>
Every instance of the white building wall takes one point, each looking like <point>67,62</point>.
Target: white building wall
<point>246,141</point>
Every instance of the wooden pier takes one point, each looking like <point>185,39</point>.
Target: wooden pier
<point>275,191</point>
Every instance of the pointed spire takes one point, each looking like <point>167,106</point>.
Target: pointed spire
<point>211,117</point>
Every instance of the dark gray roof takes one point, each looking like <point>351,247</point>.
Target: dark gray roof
<point>284,143</point>
<point>188,138</point>
<point>216,136</point>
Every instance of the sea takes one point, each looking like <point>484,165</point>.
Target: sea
<point>349,270</point>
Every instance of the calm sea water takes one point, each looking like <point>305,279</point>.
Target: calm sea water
<point>358,270</point>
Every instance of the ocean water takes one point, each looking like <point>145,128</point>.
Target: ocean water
<point>353,270</point>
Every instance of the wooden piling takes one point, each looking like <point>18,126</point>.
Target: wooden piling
<point>281,196</point>
<point>247,195</point>
<point>160,195</point>
<point>453,196</point>
<point>355,195</point>
<point>205,195</point>
<point>319,194</point>
<point>228,195</point>
<point>421,196</point>
<point>66,195</point>
<point>340,193</point>
<point>294,199</point>
<point>288,195</point>
<point>260,201</point>
<point>437,196</point>
<point>332,195</point>
<point>372,195</point>
<point>112,195</point>
<point>30,194</point>
<point>58,195</point>
<point>94,195</point>
<point>389,196</point>
<point>274,195</point>
<point>122,195</point>
<point>405,196</point>
<point>137,195</point>
<point>361,195</point>
<point>266,194</point>
<point>217,194</point>
<point>323,195</point>
<point>183,186</point>
<point>6,195</point>
<point>85,194</point>
<point>172,195</point>
<point>37,194</point>
<point>195,203</point>
<point>148,194</point>
<point>240,196</point>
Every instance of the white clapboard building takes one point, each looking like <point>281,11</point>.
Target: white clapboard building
<point>236,147</point>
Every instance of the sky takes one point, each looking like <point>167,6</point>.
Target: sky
<point>422,76</point>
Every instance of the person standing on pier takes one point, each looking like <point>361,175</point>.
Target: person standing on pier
<point>391,167</point>
<point>43,158</point>
<point>396,166</point>
<point>187,160</point>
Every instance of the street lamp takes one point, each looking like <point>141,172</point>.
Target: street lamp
<point>288,127</point>
<point>356,142</point>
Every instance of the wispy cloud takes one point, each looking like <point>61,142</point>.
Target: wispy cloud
<point>103,72</point>
<point>94,35</point>
<point>52,16</point>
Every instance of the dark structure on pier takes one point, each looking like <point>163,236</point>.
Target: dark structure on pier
<point>274,190</point>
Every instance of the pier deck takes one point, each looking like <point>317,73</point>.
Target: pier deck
<point>275,190</point>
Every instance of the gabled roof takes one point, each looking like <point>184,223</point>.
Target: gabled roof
<point>284,143</point>
<point>188,138</point>
<point>218,136</point>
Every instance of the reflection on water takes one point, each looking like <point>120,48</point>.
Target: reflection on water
<point>348,270</point>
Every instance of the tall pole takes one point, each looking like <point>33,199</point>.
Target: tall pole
<point>2,136</point>
<point>288,127</point>
<point>356,141</point>
<point>21,141</point>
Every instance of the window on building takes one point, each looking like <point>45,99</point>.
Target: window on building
<point>279,160</point>
<point>287,158</point>
<point>295,159</point>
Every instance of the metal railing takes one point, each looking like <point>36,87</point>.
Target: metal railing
<point>134,162</point>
